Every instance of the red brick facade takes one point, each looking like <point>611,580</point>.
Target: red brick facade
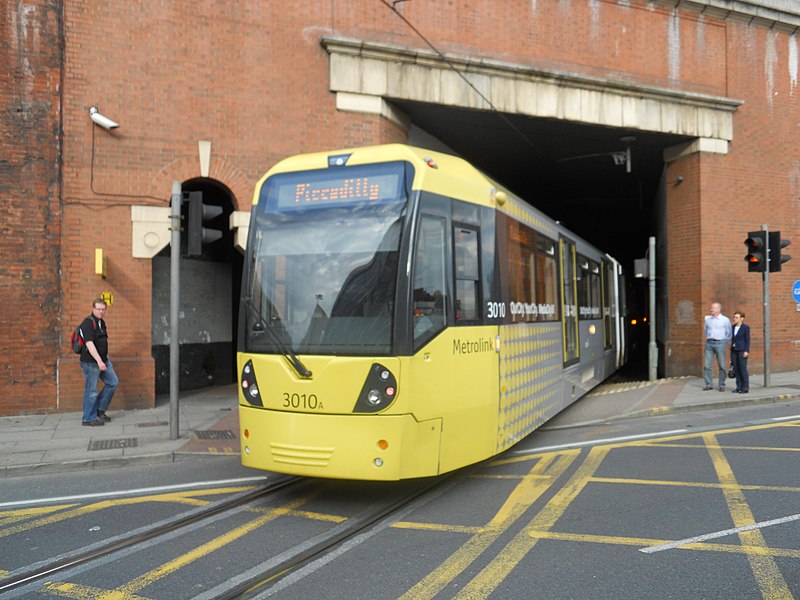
<point>252,78</point>
<point>31,42</point>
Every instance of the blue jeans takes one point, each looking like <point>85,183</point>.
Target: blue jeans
<point>92,401</point>
<point>715,349</point>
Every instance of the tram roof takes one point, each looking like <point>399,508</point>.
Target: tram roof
<point>435,172</point>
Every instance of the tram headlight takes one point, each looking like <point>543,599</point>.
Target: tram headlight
<point>379,391</point>
<point>249,385</point>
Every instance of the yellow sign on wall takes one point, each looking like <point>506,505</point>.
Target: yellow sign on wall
<point>100,264</point>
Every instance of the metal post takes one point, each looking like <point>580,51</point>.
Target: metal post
<point>652,355</point>
<point>174,310</point>
<point>765,282</point>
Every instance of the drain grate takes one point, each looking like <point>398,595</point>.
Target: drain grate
<point>113,444</point>
<point>215,434</point>
<point>153,424</point>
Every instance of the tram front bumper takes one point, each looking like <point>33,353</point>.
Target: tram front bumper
<point>369,447</point>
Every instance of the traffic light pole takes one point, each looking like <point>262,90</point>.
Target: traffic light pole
<point>174,309</point>
<point>765,285</point>
<point>652,353</point>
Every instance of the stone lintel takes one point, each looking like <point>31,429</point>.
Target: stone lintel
<point>371,69</point>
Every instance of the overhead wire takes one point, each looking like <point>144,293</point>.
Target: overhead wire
<point>460,73</point>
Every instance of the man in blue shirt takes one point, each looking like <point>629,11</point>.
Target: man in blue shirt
<point>718,333</point>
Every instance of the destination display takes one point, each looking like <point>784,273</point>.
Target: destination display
<point>340,187</point>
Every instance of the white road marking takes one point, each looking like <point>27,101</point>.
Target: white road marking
<point>786,418</point>
<point>718,534</point>
<point>150,490</point>
<point>623,438</point>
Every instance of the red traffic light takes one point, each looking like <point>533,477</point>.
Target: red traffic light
<point>755,258</point>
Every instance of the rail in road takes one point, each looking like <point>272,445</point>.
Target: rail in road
<point>681,510</point>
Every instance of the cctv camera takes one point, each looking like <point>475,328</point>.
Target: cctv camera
<point>101,120</point>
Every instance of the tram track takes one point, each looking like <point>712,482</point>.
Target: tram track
<point>268,577</point>
<point>82,557</point>
<point>260,583</point>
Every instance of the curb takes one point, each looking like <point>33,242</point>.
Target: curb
<point>105,463</point>
<point>672,409</point>
<point>663,410</point>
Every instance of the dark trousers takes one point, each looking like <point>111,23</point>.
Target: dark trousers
<point>739,362</point>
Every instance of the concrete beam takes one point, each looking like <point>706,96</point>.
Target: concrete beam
<point>368,74</point>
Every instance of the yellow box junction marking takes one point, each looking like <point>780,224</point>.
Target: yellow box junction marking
<point>548,468</point>
<point>128,591</point>
<point>493,574</point>
<point>766,572</point>
<point>526,492</point>
<point>753,546</point>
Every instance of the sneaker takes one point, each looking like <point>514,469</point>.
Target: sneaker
<point>708,387</point>
<point>103,416</point>
<point>722,389</point>
<point>93,423</point>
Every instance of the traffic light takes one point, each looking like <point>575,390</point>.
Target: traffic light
<point>197,235</point>
<point>776,244</point>
<point>756,258</point>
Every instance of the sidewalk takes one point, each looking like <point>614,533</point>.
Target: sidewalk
<point>610,402</point>
<point>209,423</point>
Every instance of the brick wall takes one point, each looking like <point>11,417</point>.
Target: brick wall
<point>252,78</point>
<point>30,213</point>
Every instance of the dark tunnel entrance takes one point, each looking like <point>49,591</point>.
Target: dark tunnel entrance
<point>209,290</point>
<point>605,184</point>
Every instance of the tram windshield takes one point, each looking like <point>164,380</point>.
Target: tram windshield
<point>323,261</point>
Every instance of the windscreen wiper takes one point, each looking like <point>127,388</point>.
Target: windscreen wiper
<point>289,355</point>
<point>287,352</point>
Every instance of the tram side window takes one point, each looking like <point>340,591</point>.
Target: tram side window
<point>533,275</point>
<point>467,275</point>
<point>588,289</point>
<point>430,280</point>
<point>521,271</point>
<point>546,280</point>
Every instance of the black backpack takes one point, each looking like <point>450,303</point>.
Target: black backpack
<point>76,342</point>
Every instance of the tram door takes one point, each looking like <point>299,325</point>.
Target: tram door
<point>569,302</point>
<point>607,274</point>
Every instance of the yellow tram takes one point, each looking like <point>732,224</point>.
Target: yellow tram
<point>403,316</point>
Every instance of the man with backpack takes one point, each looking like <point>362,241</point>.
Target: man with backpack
<point>96,366</point>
